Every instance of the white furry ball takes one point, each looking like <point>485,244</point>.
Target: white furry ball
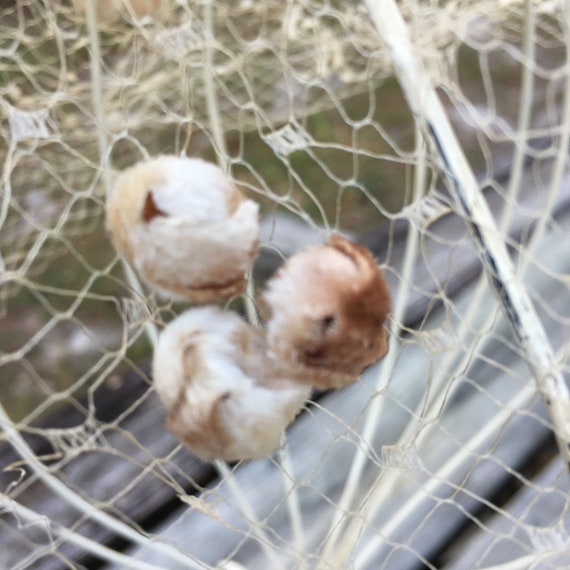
<point>225,397</point>
<point>184,227</point>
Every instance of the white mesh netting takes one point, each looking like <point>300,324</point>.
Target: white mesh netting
<point>332,115</point>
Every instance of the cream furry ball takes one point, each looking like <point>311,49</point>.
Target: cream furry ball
<point>225,397</point>
<point>184,227</point>
<point>325,311</point>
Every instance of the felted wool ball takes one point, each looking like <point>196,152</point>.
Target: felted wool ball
<point>225,397</point>
<point>325,311</point>
<point>184,227</point>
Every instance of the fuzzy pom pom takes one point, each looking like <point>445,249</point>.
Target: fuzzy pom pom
<point>184,227</point>
<point>226,398</point>
<point>325,312</point>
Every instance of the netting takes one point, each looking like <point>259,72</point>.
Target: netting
<point>434,132</point>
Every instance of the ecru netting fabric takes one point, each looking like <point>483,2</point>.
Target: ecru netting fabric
<point>310,107</point>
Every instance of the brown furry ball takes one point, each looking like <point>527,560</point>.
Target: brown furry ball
<point>325,312</point>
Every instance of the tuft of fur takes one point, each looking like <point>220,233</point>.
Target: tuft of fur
<point>325,312</point>
<point>226,397</point>
<point>184,227</point>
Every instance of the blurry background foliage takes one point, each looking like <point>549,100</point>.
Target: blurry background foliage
<point>315,126</point>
